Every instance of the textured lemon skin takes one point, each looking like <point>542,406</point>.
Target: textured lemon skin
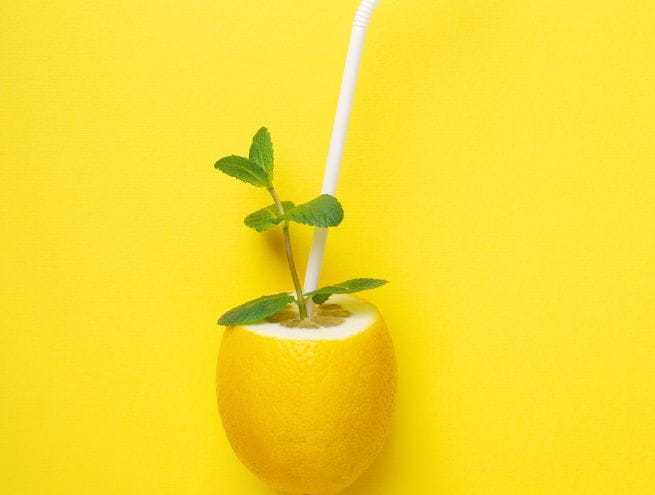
<point>307,416</point>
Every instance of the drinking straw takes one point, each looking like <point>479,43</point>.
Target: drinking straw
<point>339,129</point>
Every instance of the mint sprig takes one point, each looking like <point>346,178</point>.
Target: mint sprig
<point>323,211</point>
<point>319,296</point>
<point>261,151</point>
<point>244,169</point>
<point>256,310</point>
<point>266,218</point>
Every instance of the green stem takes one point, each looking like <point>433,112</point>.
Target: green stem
<point>300,299</point>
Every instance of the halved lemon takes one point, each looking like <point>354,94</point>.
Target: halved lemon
<point>308,409</point>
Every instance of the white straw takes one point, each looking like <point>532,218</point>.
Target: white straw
<point>344,106</point>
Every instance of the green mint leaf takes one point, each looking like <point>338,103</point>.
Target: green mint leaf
<point>319,296</point>
<point>243,169</point>
<point>261,151</point>
<point>266,218</point>
<point>324,211</point>
<point>256,310</point>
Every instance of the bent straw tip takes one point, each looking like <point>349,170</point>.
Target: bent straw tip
<point>364,13</point>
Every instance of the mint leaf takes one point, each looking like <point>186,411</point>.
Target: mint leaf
<point>266,218</point>
<point>261,151</point>
<point>256,310</point>
<point>319,296</point>
<point>324,211</point>
<point>243,169</point>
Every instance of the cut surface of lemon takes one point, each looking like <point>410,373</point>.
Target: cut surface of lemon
<point>308,410</point>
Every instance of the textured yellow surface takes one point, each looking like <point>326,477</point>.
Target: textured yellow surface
<point>307,416</point>
<point>500,171</point>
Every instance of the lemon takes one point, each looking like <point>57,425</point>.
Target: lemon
<point>308,409</point>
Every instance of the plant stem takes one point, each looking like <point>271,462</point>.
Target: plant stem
<point>300,299</point>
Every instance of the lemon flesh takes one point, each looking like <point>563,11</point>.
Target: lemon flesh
<point>308,410</point>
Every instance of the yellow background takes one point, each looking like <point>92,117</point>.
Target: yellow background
<point>500,171</point>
